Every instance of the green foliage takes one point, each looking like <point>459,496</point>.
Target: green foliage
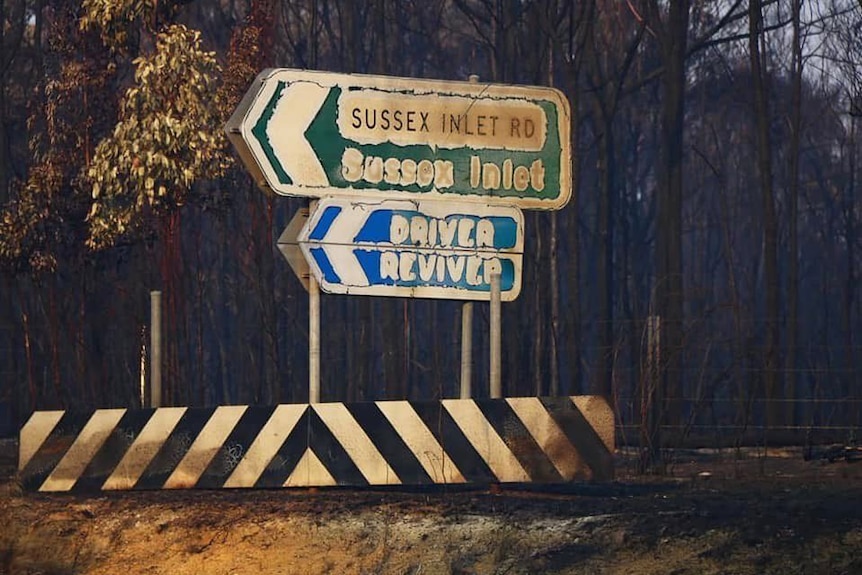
<point>114,19</point>
<point>43,224</point>
<point>25,224</point>
<point>168,137</point>
<point>243,64</point>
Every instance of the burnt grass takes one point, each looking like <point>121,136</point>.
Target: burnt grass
<point>782,516</point>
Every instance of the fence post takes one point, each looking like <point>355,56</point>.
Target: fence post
<point>155,349</point>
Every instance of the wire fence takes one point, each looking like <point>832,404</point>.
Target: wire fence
<point>7,373</point>
<point>719,385</point>
<point>720,399</point>
<point>720,422</point>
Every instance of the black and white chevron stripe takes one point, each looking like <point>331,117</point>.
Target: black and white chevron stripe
<point>542,440</point>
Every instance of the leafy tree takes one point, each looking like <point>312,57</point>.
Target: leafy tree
<point>167,138</point>
<point>42,224</point>
<point>117,20</point>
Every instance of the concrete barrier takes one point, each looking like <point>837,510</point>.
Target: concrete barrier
<point>459,441</point>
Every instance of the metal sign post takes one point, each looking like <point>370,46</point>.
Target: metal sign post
<point>466,350</point>
<point>467,329</point>
<point>495,384</point>
<point>313,341</point>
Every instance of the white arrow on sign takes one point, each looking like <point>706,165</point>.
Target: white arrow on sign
<point>298,105</point>
<point>315,134</point>
<point>414,249</point>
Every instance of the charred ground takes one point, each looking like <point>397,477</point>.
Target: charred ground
<point>723,512</point>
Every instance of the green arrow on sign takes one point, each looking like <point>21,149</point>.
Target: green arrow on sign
<point>304,133</point>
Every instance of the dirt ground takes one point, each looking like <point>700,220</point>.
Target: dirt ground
<point>712,513</point>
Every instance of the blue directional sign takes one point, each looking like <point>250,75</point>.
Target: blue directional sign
<point>414,249</point>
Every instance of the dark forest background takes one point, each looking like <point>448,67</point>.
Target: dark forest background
<point>715,150</point>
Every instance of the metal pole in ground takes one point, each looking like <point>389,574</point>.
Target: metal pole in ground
<point>155,349</point>
<point>466,349</point>
<point>313,340</point>
<point>467,330</point>
<point>494,338</point>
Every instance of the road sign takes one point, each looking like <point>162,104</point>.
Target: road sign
<point>305,133</point>
<point>414,249</point>
<point>288,245</point>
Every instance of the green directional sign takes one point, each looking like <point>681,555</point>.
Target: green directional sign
<point>304,133</point>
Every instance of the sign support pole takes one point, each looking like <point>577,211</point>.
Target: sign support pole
<point>313,340</point>
<point>467,330</point>
<point>466,349</point>
<point>494,338</point>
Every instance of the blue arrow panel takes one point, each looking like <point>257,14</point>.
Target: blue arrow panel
<point>324,223</point>
<point>414,249</point>
<point>326,268</point>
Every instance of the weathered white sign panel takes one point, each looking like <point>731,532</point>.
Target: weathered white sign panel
<point>305,133</point>
<point>414,249</point>
<point>288,245</point>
